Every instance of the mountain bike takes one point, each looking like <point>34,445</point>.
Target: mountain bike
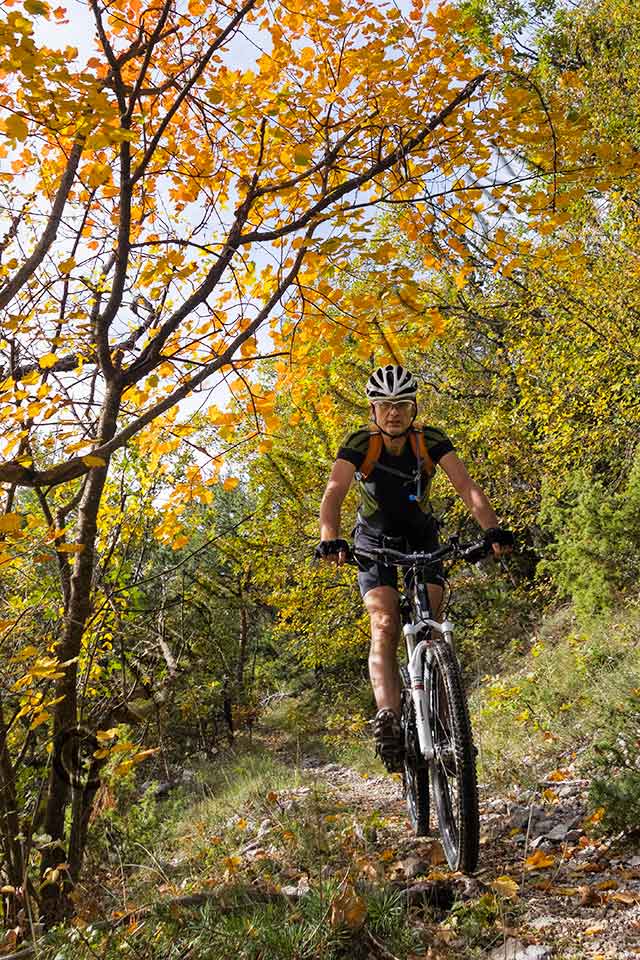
<point>438,740</point>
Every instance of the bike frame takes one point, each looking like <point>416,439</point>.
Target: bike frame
<point>420,648</point>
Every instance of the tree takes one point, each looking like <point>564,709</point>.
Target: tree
<point>173,219</point>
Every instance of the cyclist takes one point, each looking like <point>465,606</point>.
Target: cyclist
<point>393,462</point>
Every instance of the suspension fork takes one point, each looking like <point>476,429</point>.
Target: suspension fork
<point>420,657</point>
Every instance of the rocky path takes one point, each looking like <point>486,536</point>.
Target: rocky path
<point>566,894</point>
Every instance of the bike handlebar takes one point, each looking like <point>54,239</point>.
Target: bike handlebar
<point>473,551</point>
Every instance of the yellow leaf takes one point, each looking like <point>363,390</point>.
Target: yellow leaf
<point>123,767</point>
<point>97,174</point>
<point>230,483</point>
<point>10,522</point>
<point>302,155</point>
<point>66,266</point>
<point>505,887</point>
<point>596,816</point>
<point>102,735</point>
<point>38,719</point>
<point>92,461</point>
<point>48,360</point>
<point>69,547</point>
<point>16,128</point>
<point>26,652</point>
<point>36,7</point>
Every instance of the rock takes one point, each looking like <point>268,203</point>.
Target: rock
<point>513,949</point>
<point>559,832</point>
<point>521,816</point>
<point>541,843</point>
<point>497,805</point>
<point>290,891</point>
<point>543,923</point>
<point>414,867</point>
<point>435,893</point>
<point>263,829</point>
<point>163,790</point>
<point>634,862</point>
<point>471,888</point>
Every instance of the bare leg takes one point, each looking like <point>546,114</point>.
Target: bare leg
<point>383,609</point>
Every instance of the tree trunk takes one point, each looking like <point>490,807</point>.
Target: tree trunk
<point>9,824</point>
<point>242,645</point>
<point>65,722</point>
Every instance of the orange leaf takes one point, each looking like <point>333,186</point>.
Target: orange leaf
<point>539,861</point>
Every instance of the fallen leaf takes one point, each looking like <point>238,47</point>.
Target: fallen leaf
<point>348,909</point>
<point>539,861</point>
<point>505,887</point>
<point>589,867</point>
<point>626,897</point>
<point>559,775</point>
<point>593,931</point>
<point>607,885</point>
<point>432,853</point>
<point>595,817</point>
<point>589,896</point>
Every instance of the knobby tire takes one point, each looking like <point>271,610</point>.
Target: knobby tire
<point>416,772</point>
<point>453,769</point>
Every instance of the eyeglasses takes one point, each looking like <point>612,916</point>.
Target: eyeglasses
<point>402,406</point>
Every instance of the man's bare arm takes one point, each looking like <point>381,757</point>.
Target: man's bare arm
<point>334,494</point>
<point>474,496</point>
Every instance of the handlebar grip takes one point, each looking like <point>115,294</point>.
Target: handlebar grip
<point>477,551</point>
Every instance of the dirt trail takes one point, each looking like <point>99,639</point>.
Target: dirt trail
<point>573,896</point>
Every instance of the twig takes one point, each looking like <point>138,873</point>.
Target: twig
<point>379,947</point>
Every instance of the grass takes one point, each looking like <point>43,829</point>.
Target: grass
<point>259,829</point>
<point>574,687</point>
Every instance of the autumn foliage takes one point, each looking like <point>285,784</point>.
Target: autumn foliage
<point>205,220</point>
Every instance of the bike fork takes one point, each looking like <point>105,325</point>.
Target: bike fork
<point>420,693</point>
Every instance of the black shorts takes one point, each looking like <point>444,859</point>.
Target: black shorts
<point>385,575</point>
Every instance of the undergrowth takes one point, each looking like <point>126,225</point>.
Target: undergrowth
<point>574,699</point>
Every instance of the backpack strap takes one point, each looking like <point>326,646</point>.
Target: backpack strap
<point>419,447</point>
<point>372,455</point>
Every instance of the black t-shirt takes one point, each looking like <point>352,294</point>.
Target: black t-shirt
<point>388,500</point>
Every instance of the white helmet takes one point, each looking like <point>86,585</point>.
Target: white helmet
<point>391,383</point>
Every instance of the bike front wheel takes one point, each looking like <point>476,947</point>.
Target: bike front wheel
<point>415,774</point>
<point>453,768</point>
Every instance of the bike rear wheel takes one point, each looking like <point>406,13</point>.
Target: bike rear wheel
<point>453,768</point>
<point>415,773</point>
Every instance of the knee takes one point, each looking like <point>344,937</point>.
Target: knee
<point>385,627</point>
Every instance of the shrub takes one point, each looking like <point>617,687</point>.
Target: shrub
<point>595,554</point>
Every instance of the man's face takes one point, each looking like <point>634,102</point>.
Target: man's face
<point>394,416</point>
